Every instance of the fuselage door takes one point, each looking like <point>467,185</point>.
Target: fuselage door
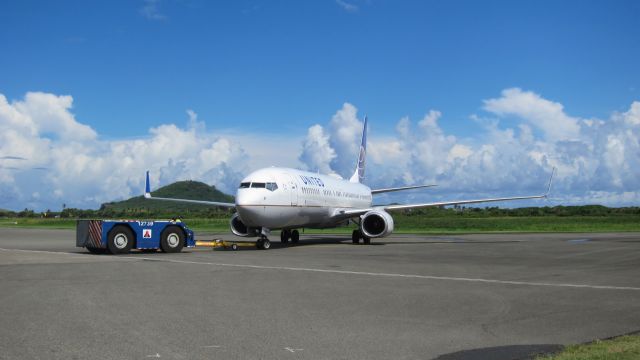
<point>293,190</point>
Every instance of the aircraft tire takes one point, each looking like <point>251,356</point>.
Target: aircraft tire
<point>355,236</point>
<point>172,240</point>
<point>284,236</point>
<point>120,240</point>
<point>366,240</point>
<point>295,236</point>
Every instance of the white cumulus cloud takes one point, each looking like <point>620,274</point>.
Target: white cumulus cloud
<point>48,158</point>
<point>598,160</point>
<point>544,114</point>
<point>317,153</point>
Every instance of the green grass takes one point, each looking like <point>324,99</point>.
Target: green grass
<point>38,223</point>
<point>421,224</point>
<point>462,224</point>
<point>621,348</point>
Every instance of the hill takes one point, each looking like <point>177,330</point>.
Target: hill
<point>193,190</point>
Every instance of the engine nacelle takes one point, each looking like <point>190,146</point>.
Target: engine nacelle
<point>238,228</point>
<point>376,223</point>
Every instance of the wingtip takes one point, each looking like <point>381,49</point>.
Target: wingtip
<point>553,172</point>
<point>147,187</point>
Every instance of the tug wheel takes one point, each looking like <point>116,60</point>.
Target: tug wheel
<point>172,240</point>
<point>120,240</point>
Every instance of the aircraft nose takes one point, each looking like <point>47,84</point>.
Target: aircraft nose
<point>241,197</point>
<point>247,197</point>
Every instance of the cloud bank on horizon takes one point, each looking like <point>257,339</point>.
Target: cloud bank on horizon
<point>48,157</point>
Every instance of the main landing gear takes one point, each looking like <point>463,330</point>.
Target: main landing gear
<point>356,235</point>
<point>286,235</point>
<point>263,242</point>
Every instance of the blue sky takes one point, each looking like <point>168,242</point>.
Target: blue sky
<point>254,68</point>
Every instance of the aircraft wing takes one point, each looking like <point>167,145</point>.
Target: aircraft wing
<point>147,195</point>
<point>348,213</point>
<point>380,191</point>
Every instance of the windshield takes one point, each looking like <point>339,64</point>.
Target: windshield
<point>271,186</point>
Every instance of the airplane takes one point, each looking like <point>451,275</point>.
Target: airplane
<point>287,199</point>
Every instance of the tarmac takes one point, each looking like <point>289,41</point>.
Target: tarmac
<point>489,296</point>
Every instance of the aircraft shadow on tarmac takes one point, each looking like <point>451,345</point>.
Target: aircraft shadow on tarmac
<point>310,240</point>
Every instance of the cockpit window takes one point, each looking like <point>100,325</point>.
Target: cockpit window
<point>271,186</point>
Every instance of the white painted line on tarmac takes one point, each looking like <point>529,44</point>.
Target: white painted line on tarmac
<point>74,254</point>
<point>407,276</point>
<point>42,251</point>
<point>361,273</point>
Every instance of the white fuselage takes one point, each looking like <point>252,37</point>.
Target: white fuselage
<point>281,198</point>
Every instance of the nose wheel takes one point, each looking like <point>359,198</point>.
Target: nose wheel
<point>263,243</point>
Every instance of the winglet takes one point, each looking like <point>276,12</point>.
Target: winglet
<point>147,187</point>
<point>358,175</point>
<point>550,182</point>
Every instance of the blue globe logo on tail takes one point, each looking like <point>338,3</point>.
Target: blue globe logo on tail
<point>358,175</point>
<point>361,160</point>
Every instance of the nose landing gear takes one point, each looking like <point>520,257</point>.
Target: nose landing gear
<point>263,243</point>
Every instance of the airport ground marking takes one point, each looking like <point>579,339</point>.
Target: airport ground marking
<point>406,276</point>
<point>348,272</point>
<point>72,254</point>
<point>42,251</point>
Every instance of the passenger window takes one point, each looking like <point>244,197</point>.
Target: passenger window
<point>244,185</point>
<point>257,185</point>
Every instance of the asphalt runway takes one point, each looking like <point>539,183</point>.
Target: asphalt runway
<point>405,297</point>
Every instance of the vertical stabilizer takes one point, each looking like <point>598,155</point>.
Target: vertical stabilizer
<point>358,175</point>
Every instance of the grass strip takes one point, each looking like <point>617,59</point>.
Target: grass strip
<point>621,348</point>
<point>413,224</point>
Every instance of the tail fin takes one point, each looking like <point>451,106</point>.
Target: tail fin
<point>358,175</point>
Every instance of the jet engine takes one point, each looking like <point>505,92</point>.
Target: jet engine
<point>376,223</point>
<point>238,228</point>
